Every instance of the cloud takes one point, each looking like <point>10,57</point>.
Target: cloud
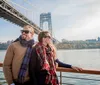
<point>88,28</point>
<point>82,20</point>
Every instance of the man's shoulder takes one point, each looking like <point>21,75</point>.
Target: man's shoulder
<point>14,43</point>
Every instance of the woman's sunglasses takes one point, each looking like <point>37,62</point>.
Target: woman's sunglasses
<point>48,37</point>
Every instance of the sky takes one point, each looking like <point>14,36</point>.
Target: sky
<point>71,19</point>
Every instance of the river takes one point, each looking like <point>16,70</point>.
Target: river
<point>84,58</point>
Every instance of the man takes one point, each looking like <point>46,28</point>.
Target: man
<point>17,57</point>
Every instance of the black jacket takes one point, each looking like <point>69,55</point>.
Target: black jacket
<point>37,76</point>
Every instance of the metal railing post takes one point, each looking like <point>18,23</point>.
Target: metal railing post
<point>60,78</point>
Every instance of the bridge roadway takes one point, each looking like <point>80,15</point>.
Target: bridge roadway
<point>11,14</point>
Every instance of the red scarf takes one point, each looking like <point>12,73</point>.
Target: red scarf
<point>47,63</point>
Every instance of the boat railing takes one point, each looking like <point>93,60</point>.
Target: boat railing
<point>77,77</point>
<point>60,74</point>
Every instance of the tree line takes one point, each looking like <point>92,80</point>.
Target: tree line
<point>64,45</point>
<point>3,46</point>
<point>78,45</point>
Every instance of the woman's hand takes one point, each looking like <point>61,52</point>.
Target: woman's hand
<point>76,68</point>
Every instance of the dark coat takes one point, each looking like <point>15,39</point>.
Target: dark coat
<point>37,76</point>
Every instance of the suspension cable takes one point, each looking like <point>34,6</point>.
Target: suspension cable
<point>39,9</point>
<point>18,5</point>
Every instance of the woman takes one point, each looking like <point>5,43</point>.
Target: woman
<point>42,67</point>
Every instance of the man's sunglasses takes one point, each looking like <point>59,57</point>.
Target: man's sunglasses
<point>25,31</point>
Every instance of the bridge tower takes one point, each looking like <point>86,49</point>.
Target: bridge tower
<point>46,17</point>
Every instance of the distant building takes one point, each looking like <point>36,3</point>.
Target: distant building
<point>98,38</point>
<point>9,42</point>
<point>91,40</point>
<point>64,41</point>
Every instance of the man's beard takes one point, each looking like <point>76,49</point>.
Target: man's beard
<point>24,37</point>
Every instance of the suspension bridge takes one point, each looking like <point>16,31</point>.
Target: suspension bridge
<point>9,11</point>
